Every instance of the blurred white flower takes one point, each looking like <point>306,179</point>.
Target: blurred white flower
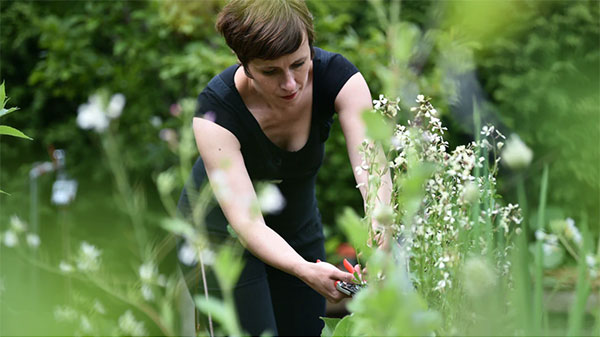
<point>88,258</point>
<point>148,272</point>
<point>98,307</point>
<point>166,182</point>
<point>129,326</point>
<point>479,277</point>
<point>470,192</point>
<point>85,324</point>
<point>420,98</point>
<point>115,106</point>
<point>10,238</point>
<point>17,225</point>
<point>270,199</point>
<point>156,121</point>
<point>572,232</point>
<point>33,240</point>
<point>515,154</point>
<point>384,214</point>
<point>65,267</point>
<point>65,314</point>
<point>187,255</point>
<point>147,293</point>
<point>92,116</point>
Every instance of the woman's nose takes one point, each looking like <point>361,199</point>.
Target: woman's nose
<point>289,83</point>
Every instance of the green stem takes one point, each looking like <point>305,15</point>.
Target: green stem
<point>538,312</point>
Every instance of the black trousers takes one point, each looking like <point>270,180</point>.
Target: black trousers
<point>266,298</point>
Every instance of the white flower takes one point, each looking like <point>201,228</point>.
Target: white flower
<point>540,235</point>
<point>88,258</point>
<point>98,307</point>
<point>115,106</point>
<point>148,271</point>
<point>17,225</point>
<point>515,154</point>
<point>65,267</point>
<point>590,260</point>
<point>187,255</point>
<point>85,324</point>
<point>270,199</point>
<point>10,238</point>
<point>156,121</point>
<point>208,256</point>
<point>129,326</point>
<point>147,293</point>
<point>479,277</point>
<point>65,314</point>
<point>420,98</point>
<point>91,115</point>
<point>572,232</point>
<point>33,240</point>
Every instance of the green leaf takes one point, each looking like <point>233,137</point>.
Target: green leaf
<point>344,327</point>
<point>178,226</point>
<point>2,94</point>
<point>6,112</point>
<point>7,130</point>
<point>330,324</point>
<point>377,127</point>
<point>219,311</point>
<point>355,229</point>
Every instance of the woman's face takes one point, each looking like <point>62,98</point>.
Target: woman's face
<point>282,81</point>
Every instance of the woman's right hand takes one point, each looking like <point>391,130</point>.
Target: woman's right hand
<point>321,276</point>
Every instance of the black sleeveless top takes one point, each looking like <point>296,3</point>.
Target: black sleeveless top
<point>294,173</point>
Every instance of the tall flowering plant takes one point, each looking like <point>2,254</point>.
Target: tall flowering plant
<point>451,233</point>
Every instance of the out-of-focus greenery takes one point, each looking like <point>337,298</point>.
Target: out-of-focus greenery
<point>538,62</point>
<point>546,84</point>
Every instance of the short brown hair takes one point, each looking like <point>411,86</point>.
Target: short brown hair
<point>265,29</point>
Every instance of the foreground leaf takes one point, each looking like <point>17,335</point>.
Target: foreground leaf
<point>10,131</point>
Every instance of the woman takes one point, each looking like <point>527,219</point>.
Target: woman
<point>267,119</point>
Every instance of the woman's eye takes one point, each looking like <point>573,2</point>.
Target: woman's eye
<point>297,65</point>
<point>268,72</point>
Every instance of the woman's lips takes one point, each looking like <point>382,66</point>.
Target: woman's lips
<point>290,97</point>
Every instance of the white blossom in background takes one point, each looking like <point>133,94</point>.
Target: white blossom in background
<point>147,293</point>
<point>10,239</point>
<point>572,232</point>
<point>129,326</point>
<point>65,267</point>
<point>91,115</point>
<point>270,199</point>
<point>33,240</point>
<point>98,307</point>
<point>115,106</point>
<point>515,154</point>
<point>17,225</point>
<point>148,272</point>
<point>187,255</point>
<point>84,324</point>
<point>88,257</point>
<point>65,314</point>
<point>479,277</point>
<point>156,121</point>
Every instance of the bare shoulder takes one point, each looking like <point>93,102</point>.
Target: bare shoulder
<point>354,95</point>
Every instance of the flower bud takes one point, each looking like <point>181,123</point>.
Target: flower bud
<point>515,154</point>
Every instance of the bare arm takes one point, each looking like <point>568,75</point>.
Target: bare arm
<point>219,148</point>
<point>353,99</point>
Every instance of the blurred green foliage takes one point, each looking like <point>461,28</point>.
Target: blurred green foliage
<point>546,85</point>
<point>538,61</point>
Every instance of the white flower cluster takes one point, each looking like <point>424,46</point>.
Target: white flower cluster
<point>452,189</point>
<point>150,278</point>
<point>129,326</point>
<point>18,228</point>
<point>96,113</point>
